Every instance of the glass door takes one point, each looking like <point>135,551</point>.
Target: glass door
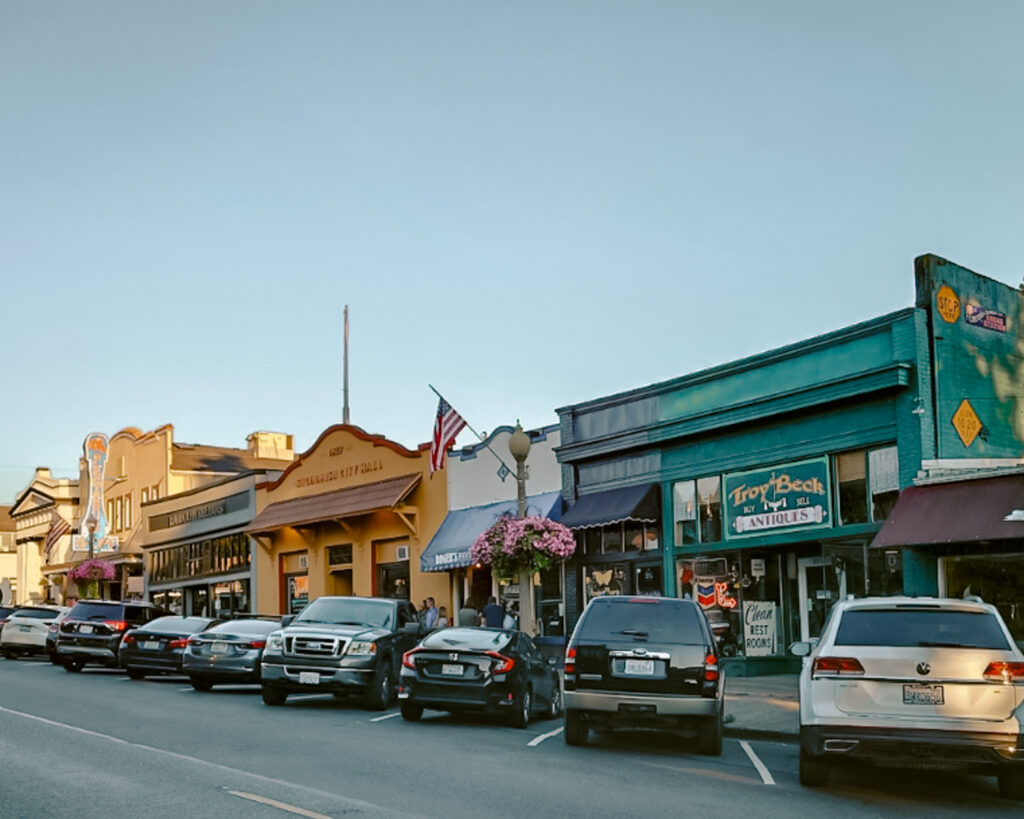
<point>822,582</point>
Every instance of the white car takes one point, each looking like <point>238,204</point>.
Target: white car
<point>26,629</point>
<point>913,681</point>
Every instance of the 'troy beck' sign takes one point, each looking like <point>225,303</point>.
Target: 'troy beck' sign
<point>785,497</point>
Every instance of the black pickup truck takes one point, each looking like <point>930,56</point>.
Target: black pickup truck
<point>340,645</point>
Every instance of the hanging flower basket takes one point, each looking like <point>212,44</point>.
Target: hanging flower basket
<point>515,545</point>
<point>87,576</point>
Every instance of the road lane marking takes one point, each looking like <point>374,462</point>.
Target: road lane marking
<point>355,803</point>
<point>187,689</point>
<point>705,772</point>
<point>312,814</point>
<point>762,769</point>
<point>386,716</point>
<point>537,740</point>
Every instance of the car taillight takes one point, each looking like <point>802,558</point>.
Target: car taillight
<point>505,664</point>
<point>407,658</point>
<point>116,625</point>
<point>257,644</point>
<point>127,639</point>
<point>570,660</point>
<point>711,668</point>
<point>841,666</point>
<point>180,643</point>
<point>53,627</point>
<point>1005,672</point>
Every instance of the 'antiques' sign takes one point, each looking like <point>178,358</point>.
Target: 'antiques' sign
<point>782,498</point>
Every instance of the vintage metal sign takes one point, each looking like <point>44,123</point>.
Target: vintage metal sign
<point>94,519</point>
<point>784,497</point>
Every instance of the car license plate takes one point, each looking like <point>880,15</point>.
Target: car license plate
<point>451,670</point>
<point>219,648</point>
<point>85,629</point>
<point>309,678</point>
<point>150,645</point>
<point>923,695</point>
<point>639,667</point>
<point>25,628</point>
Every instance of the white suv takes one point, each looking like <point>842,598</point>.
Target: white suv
<point>914,681</point>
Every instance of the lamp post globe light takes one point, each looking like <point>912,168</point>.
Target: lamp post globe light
<point>519,448</point>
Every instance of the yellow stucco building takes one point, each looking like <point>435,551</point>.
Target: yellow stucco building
<point>350,516</point>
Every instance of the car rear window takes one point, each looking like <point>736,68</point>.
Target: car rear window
<point>905,628</point>
<point>38,614</point>
<point>245,627</point>
<point>177,625</point>
<point>468,639</point>
<point>658,620</point>
<point>96,611</point>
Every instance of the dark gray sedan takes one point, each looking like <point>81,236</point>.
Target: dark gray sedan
<point>227,653</point>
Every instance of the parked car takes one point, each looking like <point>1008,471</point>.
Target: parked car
<point>496,671</point>
<point>343,646</point>
<point>158,646</point>
<point>227,652</point>
<point>5,612</point>
<point>51,636</point>
<point>25,629</point>
<point>913,681</point>
<point>644,662</point>
<point>92,631</point>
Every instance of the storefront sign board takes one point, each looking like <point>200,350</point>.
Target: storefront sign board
<point>780,498</point>
<point>759,632</point>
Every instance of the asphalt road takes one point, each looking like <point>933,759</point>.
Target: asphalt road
<point>98,745</point>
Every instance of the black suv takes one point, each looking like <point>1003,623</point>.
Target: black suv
<point>92,630</point>
<point>342,646</point>
<point>644,662</point>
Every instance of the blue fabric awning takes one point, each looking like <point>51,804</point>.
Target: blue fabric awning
<point>638,503</point>
<point>449,548</point>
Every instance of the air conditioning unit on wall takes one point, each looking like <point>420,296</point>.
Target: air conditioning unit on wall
<point>402,553</point>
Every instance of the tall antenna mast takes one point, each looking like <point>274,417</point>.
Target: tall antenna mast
<point>344,409</point>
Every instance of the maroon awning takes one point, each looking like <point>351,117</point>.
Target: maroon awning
<point>342,503</point>
<point>965,511</point>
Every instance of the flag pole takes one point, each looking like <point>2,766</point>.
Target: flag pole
<point>477,434</point>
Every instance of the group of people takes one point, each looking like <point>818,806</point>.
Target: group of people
<point>493,615</point>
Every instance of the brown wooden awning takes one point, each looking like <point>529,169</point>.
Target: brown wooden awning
<point>966,511</point>
<point>342,503</point>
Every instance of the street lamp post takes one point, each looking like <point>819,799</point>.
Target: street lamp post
<point>519,448</point>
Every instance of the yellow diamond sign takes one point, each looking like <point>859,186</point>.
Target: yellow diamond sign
<point>966,422</point>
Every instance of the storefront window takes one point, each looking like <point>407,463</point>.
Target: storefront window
<point>684,512</point>
<point>709,495</point>
<point>608,578</point>
<point>393,580</point>
<point>884,481</point>
<point>996,579</point>
<point>885,572</point>
<point>611,538</point>
<point>551,614</point>
<point>851,475</point>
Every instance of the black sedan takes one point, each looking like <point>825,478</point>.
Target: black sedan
<point>227,653</point>
<point>496,671</point>
<point>157,647</point>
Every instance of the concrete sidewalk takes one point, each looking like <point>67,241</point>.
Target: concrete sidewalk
<point>762,707</point>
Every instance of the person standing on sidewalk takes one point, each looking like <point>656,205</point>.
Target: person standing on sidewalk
<point>494,615</point>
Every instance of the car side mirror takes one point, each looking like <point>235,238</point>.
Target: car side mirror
<point>414,629</point>
<point>286,620</point>
<point>801,648</point>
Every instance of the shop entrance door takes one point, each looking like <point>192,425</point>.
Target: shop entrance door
<point>821,584</point>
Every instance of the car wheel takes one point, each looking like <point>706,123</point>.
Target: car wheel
<point>200,684</point>
<point>1011,782</point>
<point>135,673</point>
<point>555,707</point>
<point>520,716</point>
<point>709,735</point>
<point>273,696</point>
<point>10,655</point>
<point>576,729</point>
<point>379,696</point>
<point>814,770</point>
<point>411,711</point>
<point>73,666</point>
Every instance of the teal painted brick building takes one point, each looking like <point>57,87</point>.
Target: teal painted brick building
<point>757,487</point>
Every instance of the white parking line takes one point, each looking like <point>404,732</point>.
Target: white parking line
<point>537,740</point>
<point>280,805</point>
<point>766,775</point>
<point>190,688</point>
<point>386,716</point>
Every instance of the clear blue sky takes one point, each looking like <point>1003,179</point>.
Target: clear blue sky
<point>526,204</point>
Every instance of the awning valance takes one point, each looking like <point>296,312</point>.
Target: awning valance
<point>449,548</point>
<point>637,503</point>
<point>342,503</point>
<point>957,512</point>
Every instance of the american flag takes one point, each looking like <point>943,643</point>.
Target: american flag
<point>58,528</point>
<point>447,425</point>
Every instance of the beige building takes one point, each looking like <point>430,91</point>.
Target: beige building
<point>8,557</point>
<point>46,502</point>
